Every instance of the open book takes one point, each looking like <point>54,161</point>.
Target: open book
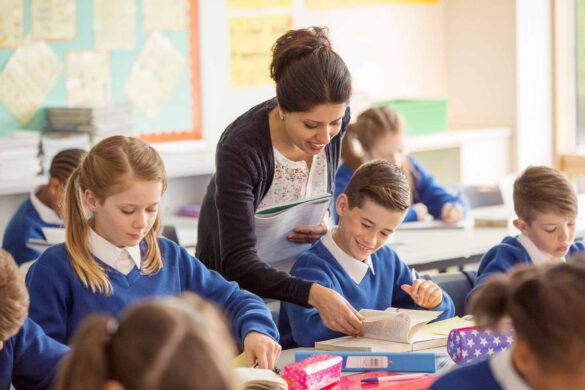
<point>390,330</point>
<point>260,379</point>
<point>274,224</point>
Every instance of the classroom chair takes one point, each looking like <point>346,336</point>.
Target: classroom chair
<point>457,285</point>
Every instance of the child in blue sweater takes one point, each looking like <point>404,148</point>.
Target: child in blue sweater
<point>380,133</point>
<point>28,358</point>
<point>546,206</point>
<point>546,306</point>
<point>192,348</point>
<point>41,209</point>
<point>112,256</point>
<point>352,259</point>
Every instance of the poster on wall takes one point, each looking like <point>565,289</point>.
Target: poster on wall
<point>164,15</point>
<point>27,78</point>
<point>259,3</point>
<point>251,40</point>
<point>87,79</point>
<point>154,75</point>
<point>11,19</point>
<point>114,24</point>
<point>328,4</point>
<point>53,19</point>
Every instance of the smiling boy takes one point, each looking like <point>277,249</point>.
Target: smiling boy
<point>353,260</point>
<point>546,207</point>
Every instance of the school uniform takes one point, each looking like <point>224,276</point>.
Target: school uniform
<point>27,223</point>
<point>371,284</point>
<point>513,251</point>
<point>428,191</point>
<point>496,373</point>
<point>30,358</point>
<point>59,300</point>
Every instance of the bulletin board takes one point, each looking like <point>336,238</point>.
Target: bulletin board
<point>178,114</point>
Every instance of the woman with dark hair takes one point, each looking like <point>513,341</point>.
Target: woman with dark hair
<point>282,150</point>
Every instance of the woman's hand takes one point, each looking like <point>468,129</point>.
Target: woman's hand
<point>424,293</point>
<point>452,213</point>
<point>261,349</point>
<point>421,211</point>
<point>335,312</point>
<point>307,234</point>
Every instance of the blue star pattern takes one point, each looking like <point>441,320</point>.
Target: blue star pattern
<point>469,345</point>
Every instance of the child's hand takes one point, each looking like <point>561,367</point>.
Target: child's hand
<point>424,293</point>
<point>452,213</point>
<point>261,349</point>
<point>336,313</point>
<point>307,234</point>
<point>421,211</point>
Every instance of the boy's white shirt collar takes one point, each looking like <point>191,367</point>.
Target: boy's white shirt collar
<point>47,214</point>
<point>505,373</point>
<point>536,255</point>
<point>109,253</point>
<point>356,269</point>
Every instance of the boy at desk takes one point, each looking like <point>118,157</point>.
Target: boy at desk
<point>546,208</point>
<point>353,260</point>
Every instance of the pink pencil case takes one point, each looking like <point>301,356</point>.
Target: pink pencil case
<point>468,345</point>
<point>313,373</point>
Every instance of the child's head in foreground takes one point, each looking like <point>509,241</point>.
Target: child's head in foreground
<point>13,298</point>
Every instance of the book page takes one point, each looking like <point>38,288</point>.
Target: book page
<point>393,328</point>
<point>272,231</point>
<point>259,378</point>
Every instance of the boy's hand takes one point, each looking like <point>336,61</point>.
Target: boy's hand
<point>421,211</point>
<point>452,213</point>
<point>335,312</point>
<point>424,293</point>
<point>261,349</point>
<point>307,234</point>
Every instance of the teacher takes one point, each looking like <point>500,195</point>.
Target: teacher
<point>282,150</point>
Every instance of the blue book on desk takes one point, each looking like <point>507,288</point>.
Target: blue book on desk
<point>380,361</point>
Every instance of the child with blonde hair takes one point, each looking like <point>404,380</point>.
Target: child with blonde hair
<point>28,358</point>
<point>380,133</point>
<point>113,257</point>
<point>172,342</point>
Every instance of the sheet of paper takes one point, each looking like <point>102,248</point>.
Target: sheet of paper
<point>164,15</point>
<point>154,75</point>
<point>114,24</point>
<point>444,327</point>
<point>271,242</point>
<point>88,79</point>
<point>251,40</point>
<point>27,78</point>
<point>53,19</point>
<point>11,23</point>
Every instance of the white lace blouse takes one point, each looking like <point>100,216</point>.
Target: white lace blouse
<point>293,180</point>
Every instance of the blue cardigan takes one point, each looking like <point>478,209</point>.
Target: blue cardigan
<point>478,376</point>
<point>428,191</point>
<point>29,359</point>
<point>502,257</point>
<point>302,326</point>
<point>26,223</point>
<point>59,300</point>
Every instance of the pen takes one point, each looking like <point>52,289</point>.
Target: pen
<point>414,277</point>
<point>393,378</point>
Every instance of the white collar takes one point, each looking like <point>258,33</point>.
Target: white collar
<point>47,214</point>
<point>536,255</point>
<point>356,269</point>
<point>505,373</point>
<point>108,252</point>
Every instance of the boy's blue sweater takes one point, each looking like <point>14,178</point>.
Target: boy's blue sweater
<point>478,376</point>
<point>59,300</point>
<point>25,224</point>
<point>29,359</point>
<point>302,326</point>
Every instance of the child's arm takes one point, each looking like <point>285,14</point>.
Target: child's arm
<point>36,357</point>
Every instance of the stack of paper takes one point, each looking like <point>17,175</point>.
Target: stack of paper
<point>54,142</point>
<point>98,122</point>
<point>19,155</point>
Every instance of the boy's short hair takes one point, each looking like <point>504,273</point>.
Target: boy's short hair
<point>380,182</point>
<point>13,297</point>
<point>542,189</point>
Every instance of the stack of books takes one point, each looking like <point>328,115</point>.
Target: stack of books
<point>54,142</point>
<point>98,122</point>
<point>19,155</point>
